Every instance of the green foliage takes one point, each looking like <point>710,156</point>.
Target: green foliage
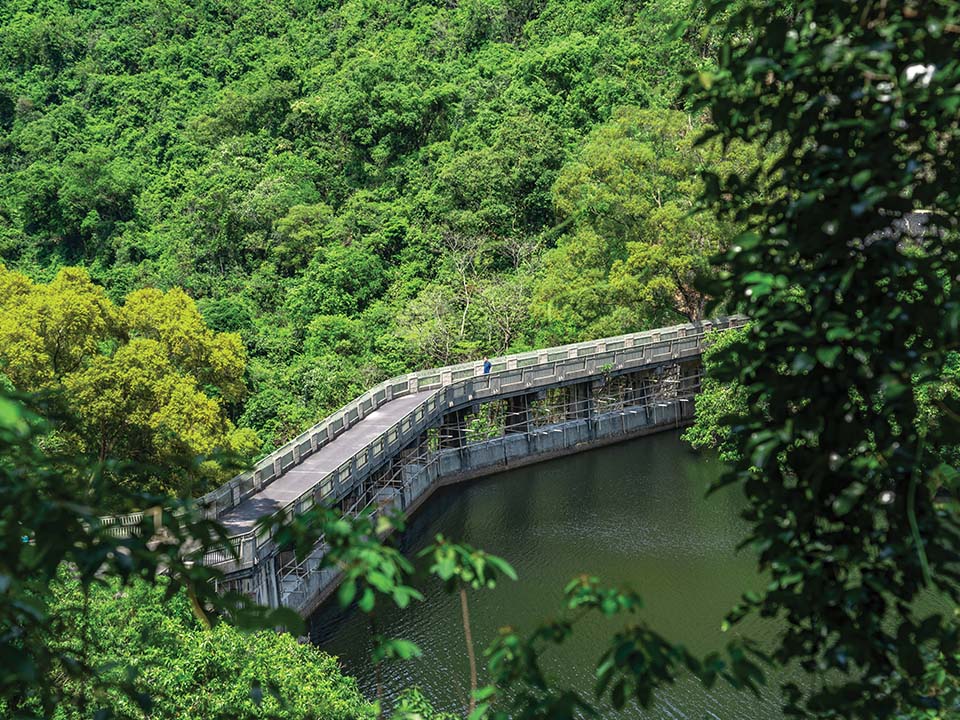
<point>853,319</point>
<point>141,636</point>
<point>637,662</point>
<point>460,566</point>
<point>146,381</point>
<point>363,187</point>
<point>50,505</point>
<point>393,165</point>
<point>935,398</point>
<point>413,705</point>
<point>370,567</point>
<point>638,243</point>
<point>718,404</point>
<point>50,330</point>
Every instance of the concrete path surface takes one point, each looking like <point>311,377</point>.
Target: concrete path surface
<point>300,478</point>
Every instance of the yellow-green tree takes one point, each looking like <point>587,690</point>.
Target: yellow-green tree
<point>146,381</point>
<point>48,330</point>
<point>216,360</point>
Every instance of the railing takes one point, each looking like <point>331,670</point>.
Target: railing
<point>454,385</point>
<point>121,525</point>
<point>301,581</point>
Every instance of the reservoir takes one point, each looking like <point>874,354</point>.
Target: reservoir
<point>634,515</point>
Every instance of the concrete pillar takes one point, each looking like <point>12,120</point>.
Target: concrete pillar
<point>275,585</point>
<point>647,387</point>
<point>634,393</point>
<point>689,377</point>
<point>580,405</point>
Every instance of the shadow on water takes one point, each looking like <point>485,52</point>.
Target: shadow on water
<point>633,515</point>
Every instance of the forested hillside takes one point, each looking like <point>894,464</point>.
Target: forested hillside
<point>363,187</point>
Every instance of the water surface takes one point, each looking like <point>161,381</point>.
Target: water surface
<point>632,514</point>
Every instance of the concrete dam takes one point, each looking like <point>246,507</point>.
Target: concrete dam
<point>390,448</point>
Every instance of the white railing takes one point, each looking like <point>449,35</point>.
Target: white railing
<point>121,525</point>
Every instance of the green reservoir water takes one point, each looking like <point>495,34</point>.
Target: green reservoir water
<point>632,514</point>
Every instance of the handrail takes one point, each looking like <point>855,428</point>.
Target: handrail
<point>423,414</point>
<point>346,417</point>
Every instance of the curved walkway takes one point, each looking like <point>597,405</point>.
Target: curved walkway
<point>299,479</point>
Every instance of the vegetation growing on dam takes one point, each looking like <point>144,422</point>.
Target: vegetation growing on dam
<point>361,188</point>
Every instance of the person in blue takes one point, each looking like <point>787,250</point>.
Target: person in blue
<point>486,366</point>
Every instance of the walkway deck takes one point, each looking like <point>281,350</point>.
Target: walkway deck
<point>299,479</point>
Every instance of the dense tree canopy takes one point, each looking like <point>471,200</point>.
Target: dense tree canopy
<point>637,243</point>
<point>136,634</point>
<point>147,381</point>
<point>396,168</point>
<point>350,190</point>
<point>854,319</point>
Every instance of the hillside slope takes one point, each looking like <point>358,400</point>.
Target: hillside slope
<point>358,188</point>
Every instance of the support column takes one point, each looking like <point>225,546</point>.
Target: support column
<point>635,391</point>
<point>689,377</point>
<point>649,387</point>
<point>687,386</point>
<point>580,404</point>
<point>594,409</point>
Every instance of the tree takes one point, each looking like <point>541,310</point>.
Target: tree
<point>300,233</point>
<point>370,567</point>
<point>430,324</point>
<point>718,403</point>
<point>852,316</point>
<point>96,193</point>
<point>216,360</point>
<point>632,198</point>
<point>460,566</point>
<point>661,271</point>
<point>48,331</point>
<point>143,636</point>
<point>50,508</point>
<point>504,310</point>
<point>573,299</point>
<point>148,381</point>
<point>339,280</point>
<point>276,165</point>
